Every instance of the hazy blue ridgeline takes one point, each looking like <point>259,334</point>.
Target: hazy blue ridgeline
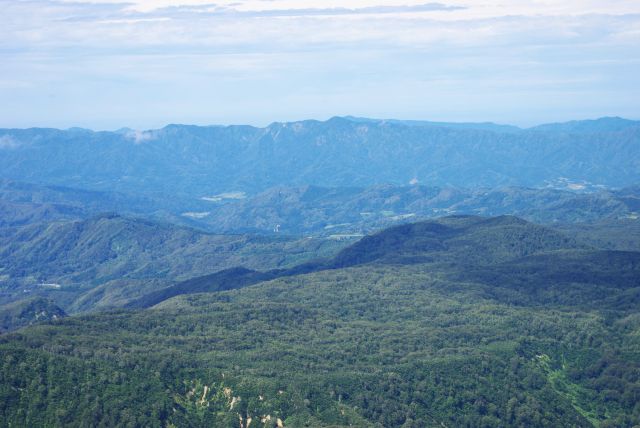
<point>197,161</point>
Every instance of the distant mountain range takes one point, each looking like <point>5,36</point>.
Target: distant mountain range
<point>194,162</point>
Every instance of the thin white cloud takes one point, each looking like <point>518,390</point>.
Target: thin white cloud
<point>131,21</point>
<point>140,137</point>
<point>75,58</point>
<point>479,9</point>
<point>125,30</point>
<point>338,11</point>
<point>8,142</point>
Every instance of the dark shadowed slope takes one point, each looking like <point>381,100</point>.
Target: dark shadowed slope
<point>457,241</point>
<point>28,312</point>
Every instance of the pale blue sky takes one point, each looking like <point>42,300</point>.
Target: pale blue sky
<point>143,64</point>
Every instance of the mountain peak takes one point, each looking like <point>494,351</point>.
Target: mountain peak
<point>458,239</point>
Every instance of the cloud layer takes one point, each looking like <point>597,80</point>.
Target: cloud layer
<point>144,63</point>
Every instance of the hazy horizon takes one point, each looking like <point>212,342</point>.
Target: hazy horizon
<point>267,124</point>
<point>143,64</point>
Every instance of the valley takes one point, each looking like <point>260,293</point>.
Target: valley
<point>347,273</point>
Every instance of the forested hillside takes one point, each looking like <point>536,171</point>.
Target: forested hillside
<point>462,321</point>
<point>335,211</point>
<point>107,260</point>
<point>321,211</point>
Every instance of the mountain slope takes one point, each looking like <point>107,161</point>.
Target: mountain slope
<point>604,124</point>
<point>198,162</point>
<point>28,312</point>
<point>335,211</point>
<point>108,260</point>
<point>452,241</point>
<point>19,214</point>
<point>27,203</point>
<point>321,210</point>
<point>461,240</point>
<point>393,342</point>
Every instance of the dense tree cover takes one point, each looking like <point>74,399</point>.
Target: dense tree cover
<point>27,203</point>
<point>407,341</point>
<point>28,311</point>
<point>452,241</point>
<point>622,234</point>
<point>108,260</point>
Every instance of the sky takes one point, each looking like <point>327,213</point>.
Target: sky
<point>143,64</point>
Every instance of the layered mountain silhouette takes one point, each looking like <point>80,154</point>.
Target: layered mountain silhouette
<point>195,161</point>
<point>506,249</point>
